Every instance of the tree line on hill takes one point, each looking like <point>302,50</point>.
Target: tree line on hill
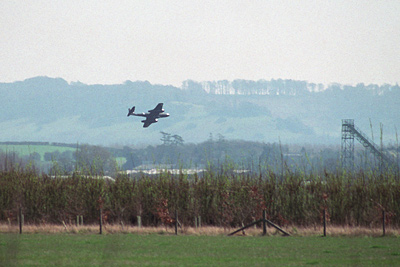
<point>281,87</point>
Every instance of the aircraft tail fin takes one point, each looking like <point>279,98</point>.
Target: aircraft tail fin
<point>131,110</point>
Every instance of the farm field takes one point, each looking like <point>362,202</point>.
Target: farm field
<point>156,249</point>
<point>26,150</point>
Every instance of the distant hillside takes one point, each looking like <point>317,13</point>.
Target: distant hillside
<point>53,110</point>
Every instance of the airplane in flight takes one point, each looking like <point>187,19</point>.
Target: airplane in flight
<point>151,116</point>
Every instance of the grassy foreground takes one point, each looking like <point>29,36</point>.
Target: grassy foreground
<point>155,249</point>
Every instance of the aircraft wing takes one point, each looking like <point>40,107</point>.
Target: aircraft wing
<point>158,109</point>
<point>148,121</point>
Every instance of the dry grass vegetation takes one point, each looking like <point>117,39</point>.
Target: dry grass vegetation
<point>333,231</point>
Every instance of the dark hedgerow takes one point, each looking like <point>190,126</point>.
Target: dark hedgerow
<point>222,198</point>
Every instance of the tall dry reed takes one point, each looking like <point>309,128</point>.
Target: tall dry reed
<point>219,198</point>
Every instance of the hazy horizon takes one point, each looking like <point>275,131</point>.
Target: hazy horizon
<point>326,85</point>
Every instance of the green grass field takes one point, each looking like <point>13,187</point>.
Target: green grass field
<point>156,249</point>
<point>26,150</point>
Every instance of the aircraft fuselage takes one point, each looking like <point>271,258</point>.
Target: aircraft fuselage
<point>150,115</point>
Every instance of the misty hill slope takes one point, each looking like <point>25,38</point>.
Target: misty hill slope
<point>47,109</point>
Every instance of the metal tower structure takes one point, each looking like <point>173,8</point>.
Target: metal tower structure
<point>347,156</point>
<point>349,131</point>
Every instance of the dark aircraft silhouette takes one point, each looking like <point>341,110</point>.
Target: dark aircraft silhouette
<point>152,116</point>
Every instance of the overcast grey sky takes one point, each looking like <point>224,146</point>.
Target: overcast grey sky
<point>168,42</point>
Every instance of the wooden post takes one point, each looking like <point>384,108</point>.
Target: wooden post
<point>77,220</point>
<point>139,221</point>
<point>20,220</point>
<point>199,221</point>
<point>383,222</point>
<point>264,223</point>
<point>247,226</point>
<point>176,222</point>
<point>324,221</point>
<point>65,226</point>
<point>195,222</point>
<point>277,227</point>
<point>82,220</point>
<point>101,221</point>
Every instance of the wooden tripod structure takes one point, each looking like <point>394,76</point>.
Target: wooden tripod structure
<point>264,222</point>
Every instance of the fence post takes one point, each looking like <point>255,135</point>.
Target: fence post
<point>195,222</point>
<point>139,221</point>
<point>199,221</point>
<point>324,221</point>
<point>77,220</point>
<point>82,220</point>
<point>101,221</point>
<point>176,222</point>
<point>383,222</point>
<point>21,219</point>
<point>264,223</point>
